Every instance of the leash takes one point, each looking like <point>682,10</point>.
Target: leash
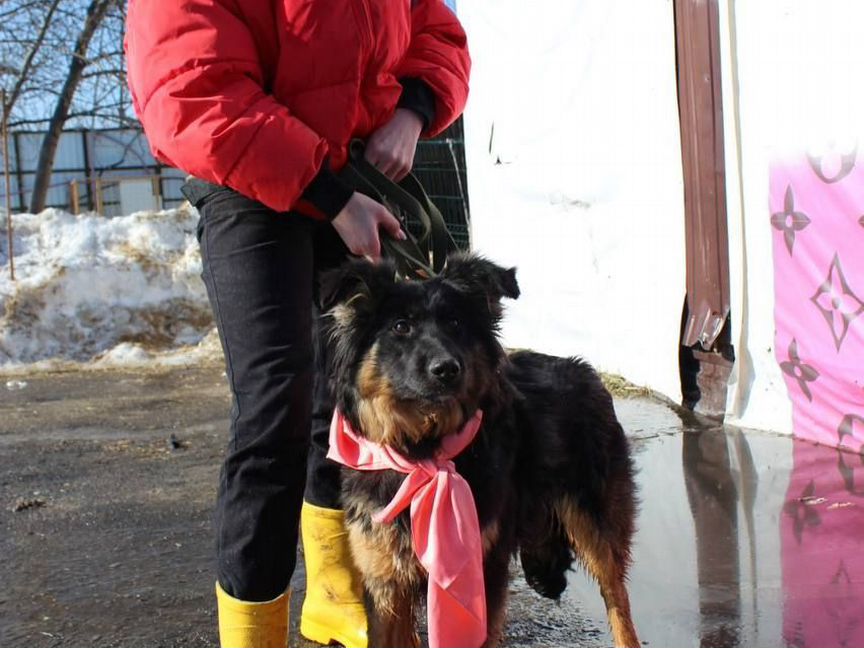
<point>422,256</point>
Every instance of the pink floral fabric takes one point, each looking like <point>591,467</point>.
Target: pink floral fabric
<point>817,216</point>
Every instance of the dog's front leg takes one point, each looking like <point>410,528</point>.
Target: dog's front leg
<point>496,574</point>
<point>392,618</point>
<point>392,580</point>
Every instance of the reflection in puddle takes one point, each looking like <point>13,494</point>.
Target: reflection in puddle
<point>823,562</point>
<point>714,504</point>
<point>747,540</point>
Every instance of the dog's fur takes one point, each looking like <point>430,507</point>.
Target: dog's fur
<point>550,468</point>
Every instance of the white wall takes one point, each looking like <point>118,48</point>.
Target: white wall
<point>574,171</point>
<point>757,396</point>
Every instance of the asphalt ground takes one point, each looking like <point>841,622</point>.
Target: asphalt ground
<point>108,482</point>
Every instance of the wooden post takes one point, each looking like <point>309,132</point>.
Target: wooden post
<point>74,197</point>
<point>97,189</point>
<point>5,135</point>
<point>160,186</point>
<point>155,187</point>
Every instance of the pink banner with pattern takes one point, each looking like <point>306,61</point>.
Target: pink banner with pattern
<point>817,216</point>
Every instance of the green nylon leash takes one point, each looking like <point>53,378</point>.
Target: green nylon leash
<point>421,256</point>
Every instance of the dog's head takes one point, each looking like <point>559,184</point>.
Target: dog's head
<point>413,360</point>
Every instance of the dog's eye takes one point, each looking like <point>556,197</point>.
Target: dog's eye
<point>454,323</point>
<point>402,327</point>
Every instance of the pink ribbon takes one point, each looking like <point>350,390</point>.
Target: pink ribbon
<point>444,527</point>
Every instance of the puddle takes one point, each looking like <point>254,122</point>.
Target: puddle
<point>743,539</point>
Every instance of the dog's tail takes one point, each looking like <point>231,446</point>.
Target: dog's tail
<point>546,557</point>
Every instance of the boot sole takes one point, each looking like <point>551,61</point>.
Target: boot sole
<point>320,633</point>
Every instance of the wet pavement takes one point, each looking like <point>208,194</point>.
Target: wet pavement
<point>107,480</point>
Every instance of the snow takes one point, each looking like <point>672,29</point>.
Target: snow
<point>100,292</point>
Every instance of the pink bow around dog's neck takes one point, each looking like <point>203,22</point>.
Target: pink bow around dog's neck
<point>444,527</point>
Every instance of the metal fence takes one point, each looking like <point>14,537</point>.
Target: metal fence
<point>112,172</point>
<point>90,170</point>
<point>440,167</point>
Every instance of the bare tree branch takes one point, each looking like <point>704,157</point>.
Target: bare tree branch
<point>96,12</point>
<point>28,60</point>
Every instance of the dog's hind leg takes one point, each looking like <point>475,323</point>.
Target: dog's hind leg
<point>606,556</point>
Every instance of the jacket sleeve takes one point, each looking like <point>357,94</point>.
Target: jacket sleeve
<point>198,89</point>
<point>438,56</point>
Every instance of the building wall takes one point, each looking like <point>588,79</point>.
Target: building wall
<point>574,172</point>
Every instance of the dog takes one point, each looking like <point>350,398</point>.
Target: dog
<point>549,469</point>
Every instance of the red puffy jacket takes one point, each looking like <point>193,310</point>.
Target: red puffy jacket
<point>256,94</point>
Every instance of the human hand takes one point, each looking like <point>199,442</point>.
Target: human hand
<point>391,148</point>
<point>358,225</point>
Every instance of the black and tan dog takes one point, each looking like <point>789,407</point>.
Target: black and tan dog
<point>550,468</point>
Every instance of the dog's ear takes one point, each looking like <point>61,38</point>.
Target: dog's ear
<point>354,282</point>
<point>472,274</point>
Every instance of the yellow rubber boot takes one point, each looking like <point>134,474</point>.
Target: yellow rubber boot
<point>245,624</point>
<point>333,609</point>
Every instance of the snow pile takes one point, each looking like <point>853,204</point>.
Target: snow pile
<point>121,290</point>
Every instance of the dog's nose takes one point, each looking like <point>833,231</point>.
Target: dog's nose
<point>445,370</point>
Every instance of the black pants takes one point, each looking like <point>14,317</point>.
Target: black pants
<point>261,270</point>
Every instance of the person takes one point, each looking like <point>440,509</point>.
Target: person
<point>258,101</point>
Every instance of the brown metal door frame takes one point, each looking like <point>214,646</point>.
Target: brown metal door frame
<point>705,334</point>
<point>700,106</point>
